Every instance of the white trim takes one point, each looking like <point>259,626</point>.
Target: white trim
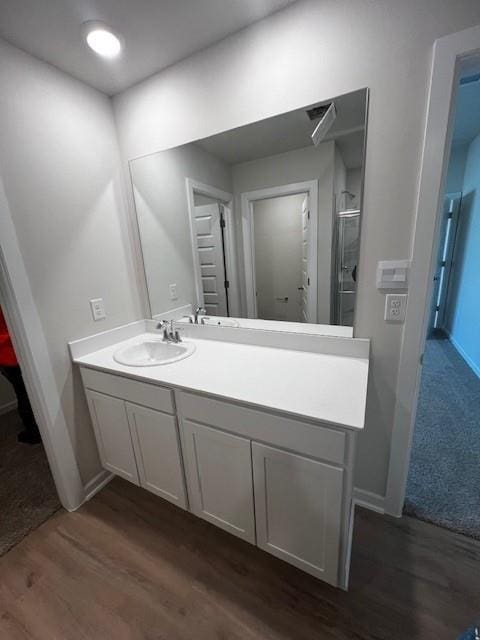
<point>192,187</point>
<point>448,53</point>
<point>369,500</point>
<point>7,407</point>
<point>97,483</point>
<point>32,352</point>
<point>247,199</point>
<point>174,314</point>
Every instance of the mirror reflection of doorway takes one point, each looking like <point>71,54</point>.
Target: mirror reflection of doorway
<point>280,234</point>
<point>209,225</point>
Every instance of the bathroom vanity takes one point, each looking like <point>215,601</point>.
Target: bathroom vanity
<point>254,431</point>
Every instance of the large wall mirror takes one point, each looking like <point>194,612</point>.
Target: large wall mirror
<point>260,224</point>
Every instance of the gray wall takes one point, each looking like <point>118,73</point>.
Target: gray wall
<point>308,52</point>
<point>162,211</point>
<point>60,166</point>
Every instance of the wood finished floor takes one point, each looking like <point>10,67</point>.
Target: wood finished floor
<point>128,565</point>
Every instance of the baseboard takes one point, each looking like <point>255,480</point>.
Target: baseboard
<point>8,406</point>
<point>98,482</point>
<point>473,365</point>
<point>369,500</point>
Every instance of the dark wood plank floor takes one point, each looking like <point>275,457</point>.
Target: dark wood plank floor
<point>128,565</point>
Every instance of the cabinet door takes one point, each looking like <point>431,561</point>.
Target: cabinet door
<point>157,448</point>
<point>219,477</point>
<point>112,431</point>
<point>298,507</point>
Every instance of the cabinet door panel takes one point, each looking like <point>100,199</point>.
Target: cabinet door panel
<point>298,504</point>
<point>157,447</point>
<point>219,476</point>
<point>112,431</point>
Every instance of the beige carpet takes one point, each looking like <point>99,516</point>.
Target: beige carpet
<point>27,493</point>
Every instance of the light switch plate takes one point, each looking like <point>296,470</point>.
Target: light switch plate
<point>395,307</point>
<point>393,274</point>
<point>173,291</point>
<point>98,310</point>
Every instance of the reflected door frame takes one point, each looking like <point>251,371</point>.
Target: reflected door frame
<point>192,187</point>
<point>247,200</point>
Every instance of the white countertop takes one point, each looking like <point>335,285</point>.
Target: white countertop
<point>317,386</point>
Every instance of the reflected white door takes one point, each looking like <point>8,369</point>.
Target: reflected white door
<point>208,232</point>
<point>305,286</point>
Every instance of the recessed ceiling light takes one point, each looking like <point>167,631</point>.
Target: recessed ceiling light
<point>101,39</point>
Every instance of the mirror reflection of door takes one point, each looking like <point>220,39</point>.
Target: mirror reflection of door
<point>208,225</point>
<point>280,236</point>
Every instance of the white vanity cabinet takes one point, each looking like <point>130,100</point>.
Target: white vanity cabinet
<point>112,432</point>
<point>219,475</point>
<point>298,507</point>
<point>280,482</point>
<point>137,442</point>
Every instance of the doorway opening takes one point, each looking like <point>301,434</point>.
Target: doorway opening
<point>280,252</point>
<point>443,483</point>
<point>213,248</point>
<point>280,239</point>
<point>28,495</point>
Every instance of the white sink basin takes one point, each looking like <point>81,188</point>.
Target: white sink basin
<point>149,353</point>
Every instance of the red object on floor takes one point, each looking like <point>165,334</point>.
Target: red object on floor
<point>7,352</point>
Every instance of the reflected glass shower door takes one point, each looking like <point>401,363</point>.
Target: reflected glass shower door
<point>347,247</point>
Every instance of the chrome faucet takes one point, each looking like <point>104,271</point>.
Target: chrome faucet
<point>198,311</point>
<point>169,335</point>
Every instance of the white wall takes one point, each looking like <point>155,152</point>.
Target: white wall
<point>60,167</point>
<point>278,246</point>
<point>354,185</point>
<point>306,53</point>
<point>162,211</point>
<point>300,165</point>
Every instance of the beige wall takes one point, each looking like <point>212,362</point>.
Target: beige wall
<point>60,167</point>
<point>309,52</point>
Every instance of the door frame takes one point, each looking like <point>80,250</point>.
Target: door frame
<point>449,245</point>
<point>449,53</point>
<point>28,338</point>
<point>247,200</point>
<point>194,186</point>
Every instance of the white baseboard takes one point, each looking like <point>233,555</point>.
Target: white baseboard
<point>473,365</point>
<point>8,406</point>
<point>98,482</point>
<point>369,500</point>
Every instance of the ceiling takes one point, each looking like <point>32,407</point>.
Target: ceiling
<point>157,33</point>
<point>467,114</point>
<point>293,130</point>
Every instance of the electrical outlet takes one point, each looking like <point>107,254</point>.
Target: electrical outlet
<point>395,307</point>
<point>98,310</point>
<point>173,292</point>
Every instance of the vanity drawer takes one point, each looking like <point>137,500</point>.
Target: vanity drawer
<point>142,393</point>
<point>288,433</point>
